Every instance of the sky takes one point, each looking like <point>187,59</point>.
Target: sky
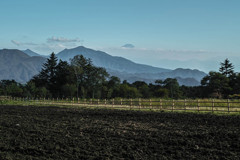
<point>163,33</point>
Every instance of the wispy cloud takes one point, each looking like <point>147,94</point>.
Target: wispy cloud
<point>53,44</point>
<point>16,42</point>
<point>62,40</point>
<point>159,50</point>
<point>23,43</point>
<point>157,54</point>
<point>49,48</point>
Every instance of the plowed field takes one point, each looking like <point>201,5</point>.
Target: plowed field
<point>66,133</point>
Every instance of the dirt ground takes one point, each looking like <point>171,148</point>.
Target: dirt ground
<point>68,133</point>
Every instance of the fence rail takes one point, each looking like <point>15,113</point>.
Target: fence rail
<point>200,105</point>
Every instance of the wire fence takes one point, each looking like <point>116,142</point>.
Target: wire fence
<point>199,105</point>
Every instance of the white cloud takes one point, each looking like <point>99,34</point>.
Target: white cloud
<point>23,43</point>
<point>62,40</point>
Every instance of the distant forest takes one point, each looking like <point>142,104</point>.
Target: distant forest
<point>80,78</point>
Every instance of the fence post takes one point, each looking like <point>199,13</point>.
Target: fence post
<point>228,105</point>
<point>112,102</point>
<point>105,102</point>
<point>139,103</point>
<point>150,102</point>
<point>131,103</point>
<point>121,102</point>
<point>185,105</point>
<point>172,105</point>
<point>160,104</point>
<point>198,105</point>
<point>212,105</point>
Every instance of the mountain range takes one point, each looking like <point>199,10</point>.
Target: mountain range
<point>17,65</point>
<point>23,65</point>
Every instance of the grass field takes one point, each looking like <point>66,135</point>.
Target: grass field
<point>48,132</point>
<point>198,105</point>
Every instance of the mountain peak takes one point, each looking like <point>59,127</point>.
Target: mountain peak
<point>80,47</point>
<point>77,48</point>
<point>13,52</point>
<point>128,46</point>
<point>10,50</point>
<point>30,53</point>
<point>102,59</point>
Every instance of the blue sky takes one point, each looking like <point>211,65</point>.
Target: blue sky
<point>164,33</point>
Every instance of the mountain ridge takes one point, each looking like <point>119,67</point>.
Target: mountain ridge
<point>105,60</point>
<point>31,53</point>
<point>115,66</point>
<point>15,64</point>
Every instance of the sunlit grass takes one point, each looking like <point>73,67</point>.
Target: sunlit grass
<point>187,105</point>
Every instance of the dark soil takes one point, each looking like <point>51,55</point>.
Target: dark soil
<point>64,133</point>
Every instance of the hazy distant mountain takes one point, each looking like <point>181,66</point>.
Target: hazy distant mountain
<point>107,61</point>
<point>17,65</point>
<point>184,73</point>
<point>185,77</point>
<point>128,46</point>
<point>31,53</point>
<point>211,64</point>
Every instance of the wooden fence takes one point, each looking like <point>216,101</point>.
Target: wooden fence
<point>200,105</point>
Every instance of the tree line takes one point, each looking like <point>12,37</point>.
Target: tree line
<point>80,78</point>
